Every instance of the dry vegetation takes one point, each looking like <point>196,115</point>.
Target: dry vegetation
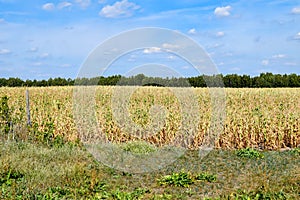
<point>265,118</point>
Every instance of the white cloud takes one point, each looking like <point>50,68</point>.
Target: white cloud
<point>132,58</point>
<point>37,64</point>
<point>296,10</point>
<point>83,3</point>
<point>44,55</point>
<point>211,54</point>
<point>64,4</point>
<point>223,11</point>
<point>4,51</point>
<point>122,8</point>
<point>152,50</point>
<point>278,56</point>
<point>192,31</point>
<point>290,64</point>
<point>48,6</point>
<point>171,57</point>
<point>2,20</point>
<point>33,49</point>
<point>170,46</point>
<point>265,62</point>
<point>297,36</point>
<point>273,59</point>
<point>220,34</point>
<point>215,46</point>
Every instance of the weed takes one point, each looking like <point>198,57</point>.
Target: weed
<point>57,193</point>
<point>5,115</point>
<point>181,179</point>
<point>249,153</point>
<point>295,151</point>
<point>10,176</point>
<point>206,177</point>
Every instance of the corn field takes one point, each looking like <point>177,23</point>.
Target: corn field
<point>258,118</point>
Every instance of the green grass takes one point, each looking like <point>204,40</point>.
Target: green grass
<point>138,147</point>
<point>182,179</point>
<point>296,151</point>
<point>185,179</point>
<point>32,171</point>
<point>249,153</point>
<point>206,177</point>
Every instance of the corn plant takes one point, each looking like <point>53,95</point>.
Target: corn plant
<point>266,118</point>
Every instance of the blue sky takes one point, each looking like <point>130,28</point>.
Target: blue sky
<point>42,39</point>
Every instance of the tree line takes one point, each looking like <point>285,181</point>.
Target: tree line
<point>230,80</point>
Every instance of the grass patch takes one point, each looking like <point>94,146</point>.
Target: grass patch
<point>7,178</point>
<point>185,179</point>
<point>181,179</point>
<point>295,151</point>
<point>249,153</point>
<point>31,171</point>
<point>138,147</point>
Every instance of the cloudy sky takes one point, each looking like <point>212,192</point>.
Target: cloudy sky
<point>42,39</point>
